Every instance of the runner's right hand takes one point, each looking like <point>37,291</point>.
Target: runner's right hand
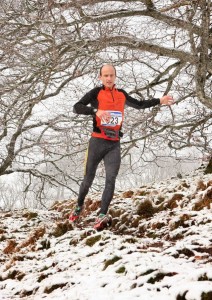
<point>103,115</point>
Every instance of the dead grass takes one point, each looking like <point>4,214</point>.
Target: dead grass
<point>127,194</point>
<point>61,228</point>
<point>11,244</point>
<point>145,208</point>
<point>204,201</point>
<point>172,202</point>
<point>201,186</point>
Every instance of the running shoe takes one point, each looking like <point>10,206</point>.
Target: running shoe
<point>74,216</point>
<point>103,221</point>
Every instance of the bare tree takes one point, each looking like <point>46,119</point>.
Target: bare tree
<point>50,53</point>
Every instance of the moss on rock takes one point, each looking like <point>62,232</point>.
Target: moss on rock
<point>90,241</point>
<point>111,261</point>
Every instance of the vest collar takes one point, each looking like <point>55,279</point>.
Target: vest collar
<point>108,89</point>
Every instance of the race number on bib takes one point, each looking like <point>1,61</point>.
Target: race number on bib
<point>115,119</point>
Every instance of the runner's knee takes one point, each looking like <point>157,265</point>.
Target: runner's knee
<point>110,180</point>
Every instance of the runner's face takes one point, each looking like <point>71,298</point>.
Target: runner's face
<point>108,76</point>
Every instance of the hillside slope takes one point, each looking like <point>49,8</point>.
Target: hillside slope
<point>159,247</point>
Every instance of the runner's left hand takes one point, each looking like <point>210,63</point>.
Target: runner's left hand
<point>166,100</point>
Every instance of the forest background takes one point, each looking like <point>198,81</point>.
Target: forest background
<point>50,55</point>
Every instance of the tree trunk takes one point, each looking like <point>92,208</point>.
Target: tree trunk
<point>208,169</point>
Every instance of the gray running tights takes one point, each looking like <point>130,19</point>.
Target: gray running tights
<point>108,151</point>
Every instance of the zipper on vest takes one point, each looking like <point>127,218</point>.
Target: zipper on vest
<point>112,95</point>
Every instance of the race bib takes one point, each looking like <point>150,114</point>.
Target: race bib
<point>115,119</point>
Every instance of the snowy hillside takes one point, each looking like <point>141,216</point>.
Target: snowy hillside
<point>159,247</point>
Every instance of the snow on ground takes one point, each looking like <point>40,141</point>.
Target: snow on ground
<point>159,247</point>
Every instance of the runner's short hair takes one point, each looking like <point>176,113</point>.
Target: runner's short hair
<point>100,71</point>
